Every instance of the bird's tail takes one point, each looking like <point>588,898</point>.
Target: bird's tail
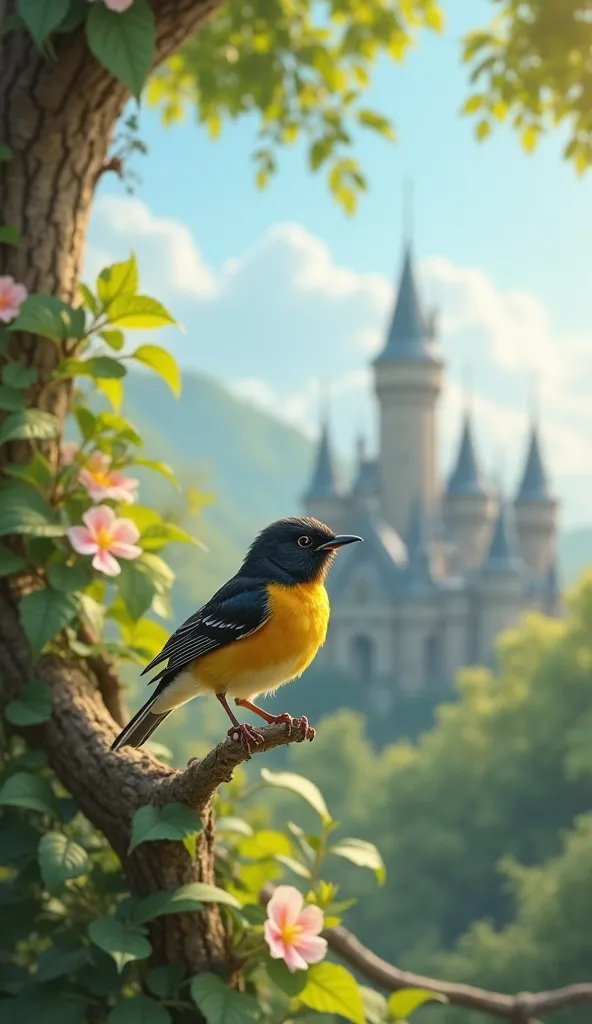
<point>141,726</point>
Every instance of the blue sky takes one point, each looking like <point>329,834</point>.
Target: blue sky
<point>278,288</point>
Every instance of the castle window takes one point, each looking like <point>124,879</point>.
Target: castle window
<point>432,658</point>
<point>362,657</point>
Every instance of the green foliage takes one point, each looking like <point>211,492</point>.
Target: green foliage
<point>303,787</point>
<point>32,707</point>
<point>41,19</point>
<point>60,858</point>
<point>403,1003</point>
<point>331,988</point>
<point>532,67</point>
<point>28,425</point>
<point>44,613</point>
<point>123,941</point>
<point>123,42</point>
<point>301,70</point>
<point>30,791</point>
<point>139,1010</point>
<point>49,318</point>
<point>171,821</point>
<point>220,1004</point>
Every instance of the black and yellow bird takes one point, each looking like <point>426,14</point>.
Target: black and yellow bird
<point>261,629</point>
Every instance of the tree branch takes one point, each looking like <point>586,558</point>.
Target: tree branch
<point>522,1008</point>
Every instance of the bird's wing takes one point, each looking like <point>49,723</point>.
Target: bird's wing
<point>239,608</point>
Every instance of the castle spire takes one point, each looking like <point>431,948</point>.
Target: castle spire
<point>534,486</point>
<point>465,477</point>
<point>500,557</point>
<point>409,338</point>
<point>418,548</point>
<point>323,483</point>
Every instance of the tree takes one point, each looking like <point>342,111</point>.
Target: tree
<point>533,67</point>
<point>72,810</point>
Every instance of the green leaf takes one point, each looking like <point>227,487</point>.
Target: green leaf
<point>294,865</point>
<point>291,984</point>
<point>68,578</point>
<point>361,853</point>
<point>10,562</point>
<point>88,299</point>
<point>99,367</point>
<point>87,422</point>
<point>137,588</point>
<point>44,614</point>
<point>118,279</point>
<point>330,988</point>
<point>113,392</point>
<point>164,980</point>
<point>403,1003</point>
<point>18,376</point>
<point>23,510</point>
<point>222,1005</point>
<point>31,791</point>
<point>9,236</point>
<point>158,467</point>
<point>11,399</point>
<point>6,154</point>
<point>375,1006</point>
<point>32,707</point>
<point>37,471</point>
<point>139,1010</point>
<point>29,425</point>
<point>172,821</point>
<point>160,534</point>
<point>41,19</point>
<point>40,549</point>
<point>303,787</point>
<point>162,362</point>
<point>45,1007</point>
<point>60,858</point>
<point>122,941</point>
<point>50,318</point>
<point>138,312</point>
<point>114,339</point>
<point>58,963</point>
<point>236,825</point>
<point>123,43</point>
<point>186,898</point>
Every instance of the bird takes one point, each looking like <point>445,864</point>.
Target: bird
<point>263,628</point>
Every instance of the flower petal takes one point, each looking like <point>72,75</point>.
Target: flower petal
<point>125,531</point>
<point>285,905</point>
<point>311,920</point>
<point>273,940</point>
<point>128,551</point>
<point>293,960</point>
<point>105,563</point>
<point>101,518</point>
<point>311,948</point>
<point>82,540</point>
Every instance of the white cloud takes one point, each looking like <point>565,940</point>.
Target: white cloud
<point>274,320</point>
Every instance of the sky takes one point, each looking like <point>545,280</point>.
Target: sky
<point>278,290</point>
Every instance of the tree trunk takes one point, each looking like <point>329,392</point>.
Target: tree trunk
<point>58,118</point>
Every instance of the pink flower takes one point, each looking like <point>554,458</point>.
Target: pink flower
<point>12,296</point>
<point>118,5</point>
<point>292,931</point>
<point>102,482</point>
<point>104,535</point>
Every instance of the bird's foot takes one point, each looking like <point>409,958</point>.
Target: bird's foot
<point>245,735</point>
<point>296,723</point>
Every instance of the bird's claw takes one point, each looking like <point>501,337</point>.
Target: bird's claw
<point>308,733</point>
<point>245,735</point>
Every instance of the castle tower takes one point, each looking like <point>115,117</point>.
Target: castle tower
<point>407,380</point>
<point>364,490</point>
<point>468,505</point>
<point>323,499</point>
<point>500,587</point>
<point>536,511</point>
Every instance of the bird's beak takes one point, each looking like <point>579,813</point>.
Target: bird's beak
<point>338,542</point>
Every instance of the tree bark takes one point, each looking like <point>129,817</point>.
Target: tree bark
<point>58,118</point>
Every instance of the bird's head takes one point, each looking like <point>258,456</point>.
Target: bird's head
<point>295,550</point>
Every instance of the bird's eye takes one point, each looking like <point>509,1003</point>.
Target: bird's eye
<point>304,542</point>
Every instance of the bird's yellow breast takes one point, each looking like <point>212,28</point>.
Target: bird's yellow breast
<point>277,652</point>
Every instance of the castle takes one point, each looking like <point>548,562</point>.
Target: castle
<point>443,568</point>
